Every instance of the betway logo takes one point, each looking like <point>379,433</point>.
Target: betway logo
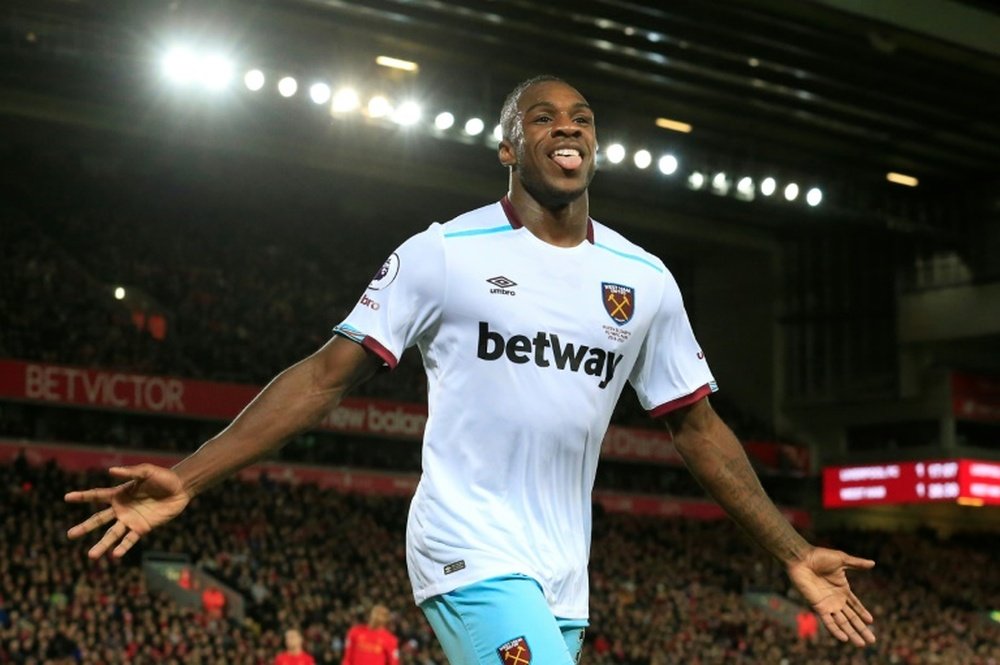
<point>545,350</point>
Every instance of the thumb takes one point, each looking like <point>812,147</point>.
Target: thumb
<point>136,472</point>
<point>856,563</point>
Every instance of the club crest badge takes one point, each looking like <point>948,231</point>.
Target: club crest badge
<point>515,652</point>
<point>619,302</point>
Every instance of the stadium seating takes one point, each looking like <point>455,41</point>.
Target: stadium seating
<point>663,591</point>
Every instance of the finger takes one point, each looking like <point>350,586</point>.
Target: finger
<point>137,472</point>
<point>84,496</point>
<point>845,626</point>
<point>831,625</point>
<point>97,519</point>
<point>859,626</point>
<point>130,539</point>
<point>111,536</point>
<point>855,604</point>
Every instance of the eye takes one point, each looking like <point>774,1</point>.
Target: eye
<point>583,120</point>
<point>543,118</point>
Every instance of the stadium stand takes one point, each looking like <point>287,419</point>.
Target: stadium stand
<point>663,591</point>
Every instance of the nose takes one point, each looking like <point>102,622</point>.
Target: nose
<point>563,125</point>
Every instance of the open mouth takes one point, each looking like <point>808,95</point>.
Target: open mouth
<point>568,159</point>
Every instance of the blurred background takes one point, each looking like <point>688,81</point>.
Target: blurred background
<point>193,193</point>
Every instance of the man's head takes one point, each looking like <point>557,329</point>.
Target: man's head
<point>378,617</point>
<point>293,640</point>
<point>549,140</point>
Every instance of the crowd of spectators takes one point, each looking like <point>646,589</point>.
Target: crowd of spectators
<point>243,292</point>
<point>662,591</point>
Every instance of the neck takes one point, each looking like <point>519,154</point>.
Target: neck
<point>565,226</point>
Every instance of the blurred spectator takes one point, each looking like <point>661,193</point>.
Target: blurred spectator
<point>371,643</point>
<point>213,602</point>
<point>807,624</point>
<point>293,653</point>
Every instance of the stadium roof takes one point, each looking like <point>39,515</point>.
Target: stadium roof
<point>842,88</point>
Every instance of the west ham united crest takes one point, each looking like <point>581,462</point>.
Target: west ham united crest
<point>515,652</point>
<point>619,301</point>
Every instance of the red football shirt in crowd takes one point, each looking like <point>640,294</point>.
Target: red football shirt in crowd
<point>213,601</point>
<point>300,658</point>
<point>370,646</point>
<point>807,624</point>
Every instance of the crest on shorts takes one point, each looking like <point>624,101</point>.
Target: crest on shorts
<point>515,652</point>
<point>619,302</point>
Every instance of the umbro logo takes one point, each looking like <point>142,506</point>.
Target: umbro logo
<point>502,282</point>
<point>503,285</point>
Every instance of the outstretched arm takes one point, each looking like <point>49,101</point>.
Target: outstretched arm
<point>296,400</point>
<point>293,402</point>
<point>716,459</point>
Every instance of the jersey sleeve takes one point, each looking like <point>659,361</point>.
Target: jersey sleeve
<point>403,300</point>
<point>671,370</point>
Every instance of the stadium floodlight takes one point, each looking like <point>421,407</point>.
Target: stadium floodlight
<point>444,121</point>
<point>287,86</point>
<point>696,180</point>
<point>319,93</point>
<point>119,293</point>
<point>180,65</point>
<point>791,191</point>
<point>379,107</point>
<point>616,153</point>
<point>902,179</point>
<point>498,133</point>
<point>397,63</point>
<point>254,80</point>
<point>474,127</point>
<point>345,101</point>
<point>814,196</point>
<point>642,159</point>
<point>745,189</point>
<point>768,186</point>
<point>720,183</point>
<point>674,125</point>
<point>667,164</point>
<point>215,71</point>
<point>407,114</point>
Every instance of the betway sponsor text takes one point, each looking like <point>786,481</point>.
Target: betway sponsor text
<point>546,349</point>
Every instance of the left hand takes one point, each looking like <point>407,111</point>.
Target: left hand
<point>821,576</point>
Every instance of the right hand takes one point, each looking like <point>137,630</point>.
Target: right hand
<point>152,496</point>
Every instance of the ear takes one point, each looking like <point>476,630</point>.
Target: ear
<point>506,153</point>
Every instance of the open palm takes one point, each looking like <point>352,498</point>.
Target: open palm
<point>821,577</point>
<point>152,496</point>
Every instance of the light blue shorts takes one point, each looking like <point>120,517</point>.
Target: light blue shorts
<point>503,621</point>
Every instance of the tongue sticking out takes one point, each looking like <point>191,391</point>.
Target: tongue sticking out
<point>568,162</point>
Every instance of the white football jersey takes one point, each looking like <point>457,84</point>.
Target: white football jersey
<point>527,347</point>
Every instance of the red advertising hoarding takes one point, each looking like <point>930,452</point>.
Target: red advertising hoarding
<point>171,396</point>
<point>83,458</point>
<point>965,481</point>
